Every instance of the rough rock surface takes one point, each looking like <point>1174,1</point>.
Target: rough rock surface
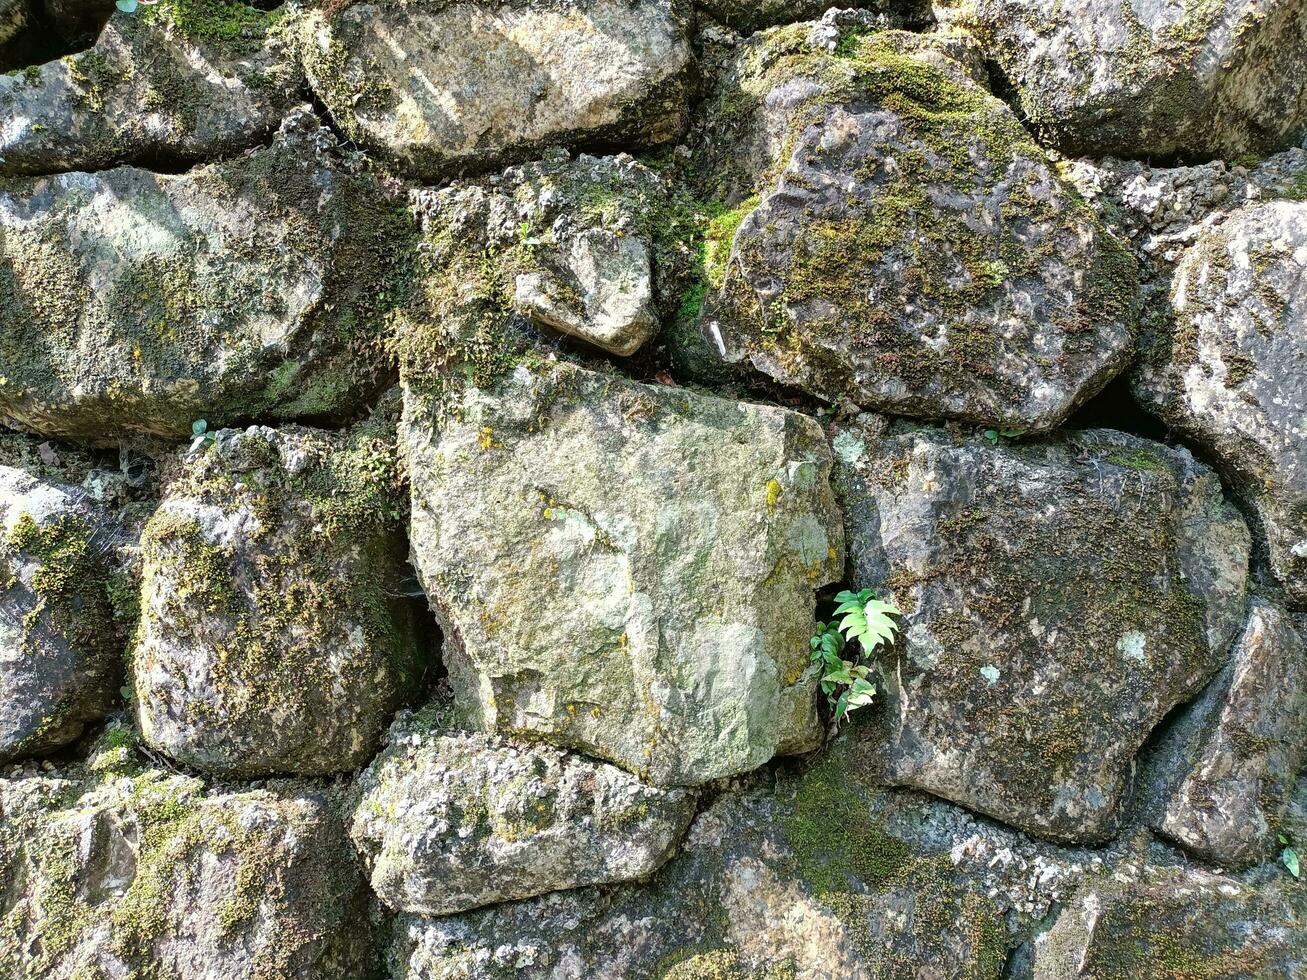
<point>1230,368</point>
<point>178,82</point>
<point>137,302</point>
<point>60,644</point>
<point>1174,922</point>
<point>451,820</point>
<point>916,252</point>
<point>273,635</point>
<point>575,244</point>
<point>121,871</point>
<point>1217,78</point>
<point>1060,599</point>
<point>1246,740</point>
<point>753,15</point>
<point>509,78</point>
<point>1163,210</point>
<point>625,569</point>
<point>797,883</point>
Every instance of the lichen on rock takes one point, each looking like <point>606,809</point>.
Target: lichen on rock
<point>274,635</point>
<point>625,569</point>
<point>510,77</point>
<point>1060,598</point>
<point>1198,78</point>
<point>451,820</point>
<point>913,250</point>
<point>1224,366</point>
<point>179,81</point>
<point>118,869</point>
<point>60,644</point>
<point>134,302</point>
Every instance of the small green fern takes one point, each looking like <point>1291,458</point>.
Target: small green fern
<point>861,618</point>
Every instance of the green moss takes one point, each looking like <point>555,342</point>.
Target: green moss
<point>233,25</point>
<point>322,563</point>
<point>836,842</point>
<point>718,238</point>
<point>69,580</point>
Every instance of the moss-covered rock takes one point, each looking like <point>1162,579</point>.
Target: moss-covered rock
<point>1224,366</point>
<point>1229,764</point>
<point>509,78</point>
<point>912,250</point>
<point>180,81</point>
<point>114,870</point>
<point>625,569</point>
<point>1197,78</point>
<point>800,882</point>
<point>450,820</point>
<point>1175,922</point>
<point>60,644</point>
<point>583,246</point>
<point>1059,599</point>
<point>274,635</point>
<point>258,287</point>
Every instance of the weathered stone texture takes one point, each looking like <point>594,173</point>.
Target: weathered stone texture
<point>274,637</point>
<point>625,569</point>
<point>1059,597</point>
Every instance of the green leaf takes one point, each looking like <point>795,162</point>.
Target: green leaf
<point>1290,858</point>
<point>200,426</point>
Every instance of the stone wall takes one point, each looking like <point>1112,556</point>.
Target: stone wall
<point>433,431</point>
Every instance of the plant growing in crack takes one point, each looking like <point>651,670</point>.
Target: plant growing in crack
<point>862,624</point>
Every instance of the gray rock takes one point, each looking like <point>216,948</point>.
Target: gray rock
<point>126,871</point>
<point>625,569</point>
<point>1249,733</point>
<point>801,883</point>
<point>273,635</point>
<point>156,85</point>
<point>913,250</point>
<point>1227,369</point>
<point>137,302</point>
<point>753,15</point>
<point>1154,922</point>
<point>451,821</point>
<point>575,244</point>
<point>1163,210</point>
<point>60,645</point>
<point>602,292</point>
<point>509,78</point>
<point>1219,78</point>
<point>1059,597</point>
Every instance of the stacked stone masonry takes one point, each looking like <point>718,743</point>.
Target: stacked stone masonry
<point>432,433</point>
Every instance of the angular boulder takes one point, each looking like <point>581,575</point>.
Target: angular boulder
<point>1229,370</point>
<point>1248,737</point>
<point>803,882</point>
<point>137,302</point>
<point>1220,78</point>
<point>913,250</point>
<point>451,821</point>
<point>138,872</point>
<point>625,569</point>
<point>580,247</point>
<point>508,78</point>
<point>274,637</point>
<point>60,646</point>
<point>1059,599</point>
<point>1174,922</point>
<point>177,82</point>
